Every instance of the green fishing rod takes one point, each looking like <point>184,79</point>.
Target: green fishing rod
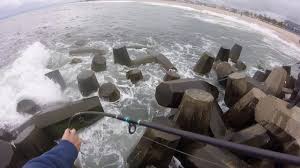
<point>239,148</point>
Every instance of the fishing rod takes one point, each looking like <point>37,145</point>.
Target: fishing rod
<point>244,149</point>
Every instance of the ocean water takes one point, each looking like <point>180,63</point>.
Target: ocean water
<point>38,42</point>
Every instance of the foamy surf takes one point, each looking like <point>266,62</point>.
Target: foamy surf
<point>227,21</point>
<point>245,24</point>
<point>107,142</point>
<point>170,5</point>
<point>25,79</point>
<point>114,1</point>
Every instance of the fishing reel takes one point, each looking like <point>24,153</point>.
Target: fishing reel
<point>131,128</point>
<point>81,118</point>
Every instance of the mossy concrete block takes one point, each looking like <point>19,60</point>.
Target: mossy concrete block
<point>162,60</point>
<point>171,75</point>
<point>242,113</point>
<point>98,63</point>
<point>223,54</point>
<point>170,93</point>
<point>109,92</point>
<point>147,152</point>
<point>235,53</point>
<point>121,56</point>
<point>275,81</point>
<point>83,51</point>
<point>212,157</point>
<point>30,143</point>
<point>217,125</point>
<point>195,111</point>
<point>87,82</point>
<point>54,120</point>
<point>134,75</point>
<point>76,61</point>
<point>56,77</point>
<point>255,135</point>
<point>204,64</point>
<point>28,106</point>
<point>275,111</point>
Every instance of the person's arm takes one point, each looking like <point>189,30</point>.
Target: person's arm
<point>61,156</point>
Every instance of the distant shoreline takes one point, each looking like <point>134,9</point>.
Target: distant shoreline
<point>283,34</point>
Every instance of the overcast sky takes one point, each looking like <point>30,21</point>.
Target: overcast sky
<point>12,7</point>
<point>285,8</point>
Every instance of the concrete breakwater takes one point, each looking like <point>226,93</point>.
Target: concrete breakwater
<point>257,109</point>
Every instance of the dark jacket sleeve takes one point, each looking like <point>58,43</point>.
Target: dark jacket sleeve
<point>62,155</point>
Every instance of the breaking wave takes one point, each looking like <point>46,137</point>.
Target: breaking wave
<point>171,5</point>
<point>226,19</point>
<point>25,79</point>
<point>233,22</point>
<point>117,1</point>
<point>107,143</point>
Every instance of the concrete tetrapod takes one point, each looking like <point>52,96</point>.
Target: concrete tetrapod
<point>235,53</point>
<point>121,56</point>
<point>242,113</point>
<point>236,88</point>
<point>149,153</point>
<point>204,64</point>
<point>170,93</point>
<point>223,54</point>
<point>134,75</point>
<point>98,63</point>
<point>87,82</point>
<point>195,111</point>
<point>274,110</point>
<point>56,77</point>
<point>109,92</point>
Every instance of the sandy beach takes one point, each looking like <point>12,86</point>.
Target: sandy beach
<point>285,35</point>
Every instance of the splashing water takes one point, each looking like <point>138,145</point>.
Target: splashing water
<point>179,34</point>
<point>25,79</point>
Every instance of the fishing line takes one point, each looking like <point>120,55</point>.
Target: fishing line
<point>131,131</point>
<point>239,148</point>
<point>179,151</point>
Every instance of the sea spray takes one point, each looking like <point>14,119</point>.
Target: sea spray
<point>25,79</point>
<point>109,137</point>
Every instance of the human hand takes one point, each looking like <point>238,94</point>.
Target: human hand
<point>72,137</point>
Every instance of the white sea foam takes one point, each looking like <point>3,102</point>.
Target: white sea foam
<point>220,19</point>
<point>233,22</point>
<point>107,137</point>
<point>229,21</point>
<point>270,37</point>
<point>219,15</point>
<point>171,5</point>
<point>25,79</point>
<point>116,1</point>
<point>288,49</point>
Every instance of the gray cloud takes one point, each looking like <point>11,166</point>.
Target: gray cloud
<point>12,7</point>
